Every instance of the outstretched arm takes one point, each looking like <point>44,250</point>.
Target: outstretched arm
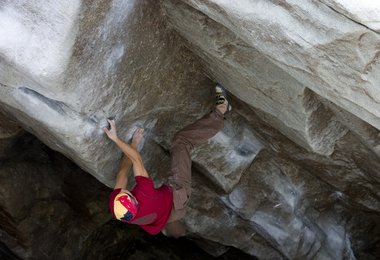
<point>130,152</point>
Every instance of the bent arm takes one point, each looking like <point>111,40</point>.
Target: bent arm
<point>130,152</point>
<point>134,156</point>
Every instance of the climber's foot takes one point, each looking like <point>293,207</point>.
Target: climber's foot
<point>222,103</point>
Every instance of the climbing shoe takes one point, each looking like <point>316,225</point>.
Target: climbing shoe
<point>221,97</point>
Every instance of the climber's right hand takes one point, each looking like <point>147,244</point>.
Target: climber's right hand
<point>111,133</point>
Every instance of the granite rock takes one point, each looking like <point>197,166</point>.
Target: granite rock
<point>293,175</point>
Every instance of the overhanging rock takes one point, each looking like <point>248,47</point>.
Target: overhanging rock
<point>253,76</point>
<point>94,63</point>
<point>308,69</point>
<point>313,48</point>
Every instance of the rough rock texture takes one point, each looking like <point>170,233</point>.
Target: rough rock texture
<point>254,78</point>
<point>112,69</point>
<point>295,172</point>
<point>312,41</point>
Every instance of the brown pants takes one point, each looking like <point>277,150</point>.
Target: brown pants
<point>180,175</point>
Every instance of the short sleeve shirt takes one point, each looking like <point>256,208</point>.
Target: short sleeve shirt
<point>154,205</point>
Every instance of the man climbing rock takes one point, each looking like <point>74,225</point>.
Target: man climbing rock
<point>162,208</point>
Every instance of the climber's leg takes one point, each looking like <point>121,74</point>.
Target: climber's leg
<point>182,144</point>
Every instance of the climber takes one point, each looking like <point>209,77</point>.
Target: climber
<point>161,209</point>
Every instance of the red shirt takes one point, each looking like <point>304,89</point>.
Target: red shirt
<point>154,205</point>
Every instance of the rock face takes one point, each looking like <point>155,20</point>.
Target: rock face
<point>111,69</point>
<point>295,172</point>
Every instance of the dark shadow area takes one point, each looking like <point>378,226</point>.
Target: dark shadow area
<point>114,240</point>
